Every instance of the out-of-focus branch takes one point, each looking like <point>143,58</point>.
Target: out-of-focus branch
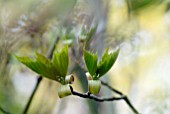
<point>39,79</point>
<point>125,98</point>
<point>111,88</point>
<point>4,111</point>
<point>49,55</point>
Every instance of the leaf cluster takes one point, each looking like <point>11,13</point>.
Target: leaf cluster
<point>98,69</point>
<point>55,69</point>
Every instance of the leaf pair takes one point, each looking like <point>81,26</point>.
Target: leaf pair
<point>56,69</point>
<point>96,69</point>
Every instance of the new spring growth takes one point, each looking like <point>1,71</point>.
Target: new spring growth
<point>55,69</point>
<point>93,85</point>
<point>64,90</point>
<point>98,69</point>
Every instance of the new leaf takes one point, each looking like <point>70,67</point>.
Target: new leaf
<point>91,62</point>
<point>55,69</point>
<point>40,65</point>
<point>60,61</point>
<point>106,62</point>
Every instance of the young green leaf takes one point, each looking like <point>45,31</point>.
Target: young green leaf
<point>40,65</point>
<point>91,62</point>
<point>55,69</point>
<point>60,62</point>
<point>107,62</point>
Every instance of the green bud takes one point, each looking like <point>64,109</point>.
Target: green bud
<point>94,86</point>
<point>64,91</point>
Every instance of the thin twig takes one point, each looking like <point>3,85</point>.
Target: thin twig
<point>96,98</point>
<point>125,98</point>
<point>39,78</point>
<point>4,111</point>
<point>111,88</point>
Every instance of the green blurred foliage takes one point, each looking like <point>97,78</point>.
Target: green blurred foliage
<point>29,26</point>
<point>137,5</point>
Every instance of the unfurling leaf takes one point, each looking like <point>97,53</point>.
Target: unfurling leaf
<point>60,61</point>
<point>55,69</point>
<point>92,32</point>
<point>40,65</point>
<point>107,62</point>
<point>97,70</point>
<point>91,62</point>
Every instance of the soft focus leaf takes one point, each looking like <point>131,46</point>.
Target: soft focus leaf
<point>83,31</point>
<point>91,62</point>
<point>87,35</point>
<point>106,62</point>
<point>136,5</point>
<point>92,32</point>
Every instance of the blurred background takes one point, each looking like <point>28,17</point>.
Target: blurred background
<point>141,28</point>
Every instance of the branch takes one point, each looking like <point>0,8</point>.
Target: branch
<point>4,111</point>
<point>125,98</point>
<point>96,98</point>
<point>39,79</point>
